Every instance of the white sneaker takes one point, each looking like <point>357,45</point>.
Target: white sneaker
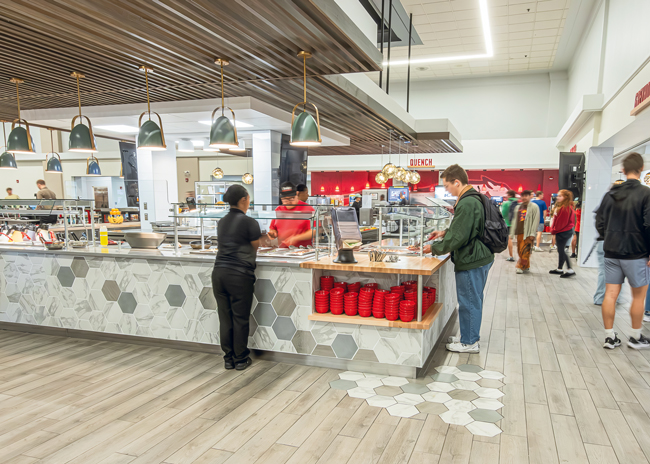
<point>553,248</point>
<point>462,348</point>
<point>646,318</point>
<point>537,249</point>
<point>510,259</point>
<point>453,340</point>
<point>520,271</point>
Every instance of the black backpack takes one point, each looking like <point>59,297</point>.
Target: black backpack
<point>495,233</point>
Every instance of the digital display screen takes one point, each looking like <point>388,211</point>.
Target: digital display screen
<point>442,194</point>
<point>394,194</point>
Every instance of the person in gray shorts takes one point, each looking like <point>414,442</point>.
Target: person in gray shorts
<point>623,221</point>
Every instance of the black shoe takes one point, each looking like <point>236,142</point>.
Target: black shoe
<point>610,344</point>
<point>573,255</point>
<point>228,365</point>
<point>569,273</point>
<point>641,344</point>
<point>240,366</point>
<point>556,272</point>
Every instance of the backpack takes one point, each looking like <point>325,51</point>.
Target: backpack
<point>495,232</point>
<point>511,210</point>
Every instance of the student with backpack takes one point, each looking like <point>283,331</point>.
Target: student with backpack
<point>466,239</point>
<point>507,210</point>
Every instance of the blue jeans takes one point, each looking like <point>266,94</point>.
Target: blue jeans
<point>469,288</point>
<point>600,287</point>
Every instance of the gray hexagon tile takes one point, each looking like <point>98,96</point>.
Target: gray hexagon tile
<point>284,328</point>
<point>284,304</point>
<point>264,290</point>
<point>207,298</point>
<point>344,346</point>
<point>416,388</point>
<point>79,267</point>
<point>342,384</point>
<point>111,290</point>
<point>485,415</point>
<point>127,302</point>
<point>469,368</point>
<point>175,295</point>
<point>264,314</point>
<point>65,276</point>
<point>303,341</point>
<point>440,377</point>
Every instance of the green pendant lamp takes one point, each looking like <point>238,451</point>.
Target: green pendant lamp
<point>82,138</point>
<point>92,166</point>
<point>20,139</point>
<point>53,165</point>
<point>305,130</point>
<point>223,133</point>
<point>7,160</point>
<point>151,135</point>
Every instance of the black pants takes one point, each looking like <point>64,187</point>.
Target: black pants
<point>561,241</point>
<point>234,294</point>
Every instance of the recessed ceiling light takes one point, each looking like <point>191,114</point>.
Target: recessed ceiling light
<point>238,124</point>
<point>121,128</point>
<point>198,143</point>
<point>489,49</point>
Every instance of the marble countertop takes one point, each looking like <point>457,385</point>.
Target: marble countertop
<point>140,253</point>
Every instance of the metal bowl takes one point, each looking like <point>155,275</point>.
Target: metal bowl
<point>144,239</point>
<point>54,245</point>
<point>196,244</point>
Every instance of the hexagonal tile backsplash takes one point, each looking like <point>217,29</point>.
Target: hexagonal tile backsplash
<point>174,300</point>
<point>477,409</point>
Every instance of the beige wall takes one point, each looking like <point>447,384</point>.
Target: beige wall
<point>182,165</point>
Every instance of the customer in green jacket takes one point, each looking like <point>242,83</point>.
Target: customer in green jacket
<point>472,259</point>
<point>511,202</point>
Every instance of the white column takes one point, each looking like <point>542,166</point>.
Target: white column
<point>598,181</point>
<point>157,185</point>
<point>266,162</point>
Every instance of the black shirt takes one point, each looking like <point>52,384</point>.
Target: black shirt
<point>235,232</point>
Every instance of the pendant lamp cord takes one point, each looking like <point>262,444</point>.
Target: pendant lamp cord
<point>51,141</point>
<point>146,80</point>
<point>18,98</point>
<point>304,82</point>
<point>79,97</point>
<point>222,96</point>
<point>4,133</point>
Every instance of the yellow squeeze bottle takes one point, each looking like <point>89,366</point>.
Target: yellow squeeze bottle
<point>103,236</point>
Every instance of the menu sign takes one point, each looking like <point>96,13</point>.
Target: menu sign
<point>641,100</point>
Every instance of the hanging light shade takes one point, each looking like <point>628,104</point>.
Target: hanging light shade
<point>7,160</point>
<point>305,130</point>
<point>389,170</point>
<point>151,135</point>
<point>81,136</point>
<point>247,178</point>
<point>415,177</point>
<point>217,173</point>
<point>53,164</point>
<point>92,167</point>
<point>20,140</point>
<point>381,178</point>
<point>223,133</point>
<point>241,147</point>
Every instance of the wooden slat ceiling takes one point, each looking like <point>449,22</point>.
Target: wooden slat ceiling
<point>42,41</point>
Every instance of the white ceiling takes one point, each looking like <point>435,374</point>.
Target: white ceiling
<point>526,35</point>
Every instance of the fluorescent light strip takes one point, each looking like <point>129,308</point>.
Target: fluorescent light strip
<point>489,48</point>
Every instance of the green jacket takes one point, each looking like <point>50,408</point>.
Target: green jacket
<point>505,209</point>
<point>462,237</point>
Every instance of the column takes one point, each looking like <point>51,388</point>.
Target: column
<point>597,183</point>
<point>267,146</point>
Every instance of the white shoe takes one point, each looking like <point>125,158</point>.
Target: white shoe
<point>462,348</point>
<point>520,271</point>
<point>453,340</point>
<point>537,249</point>
<point>510,259</point>
<point>553,248</point>
<point>646,318</point>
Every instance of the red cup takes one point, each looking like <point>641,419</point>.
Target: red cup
<point>373,285</point>
<point>351,312</point>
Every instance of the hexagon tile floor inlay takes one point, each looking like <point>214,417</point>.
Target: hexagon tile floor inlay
<point>451,393</point>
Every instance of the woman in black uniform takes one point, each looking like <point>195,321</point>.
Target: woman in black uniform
<point>233,277</point>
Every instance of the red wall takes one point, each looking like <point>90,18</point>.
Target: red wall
<point>497,182</point>
<point>351,182</point>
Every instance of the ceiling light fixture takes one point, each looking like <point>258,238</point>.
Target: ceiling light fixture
<point>7,160</point>
<point>20,140</point>
<point>489,48</point>
<point>217,173</point>
<point>223,133</point>
<point>150,136</point>
<point>305,131</point>
<point>53,164</point>
<point>92,166</point>
<point>81,137</point>
<point>248,177</point>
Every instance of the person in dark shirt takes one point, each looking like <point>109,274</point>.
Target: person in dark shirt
<point>303,192</point>
<point>233,277</point>
<point>356,204</point>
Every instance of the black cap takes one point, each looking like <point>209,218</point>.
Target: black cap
<point>287,189</point>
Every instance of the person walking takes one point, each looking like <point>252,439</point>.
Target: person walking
<point>233,277</point>
<point>506,208</point>
<point>524,228</point>
<point>623,220</point>
<point>11,195</point>
<point>543,212</point>
<point>562,225</point>
<point>576,236</point>
<point>472,259</point>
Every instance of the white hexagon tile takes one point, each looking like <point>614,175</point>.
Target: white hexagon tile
<point>451,392</point>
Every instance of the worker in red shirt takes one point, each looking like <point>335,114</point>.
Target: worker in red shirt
<point>291,232</point>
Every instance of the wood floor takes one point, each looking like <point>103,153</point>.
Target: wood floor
<point>566,399</point>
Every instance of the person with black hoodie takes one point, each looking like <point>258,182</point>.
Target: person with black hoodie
<point>623,221</point>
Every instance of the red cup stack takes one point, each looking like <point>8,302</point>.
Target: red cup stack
<point>378,303</point>
<point>342,285</point>
<point>322,301</point>
<point>399,290</point>
<point>411,295</point>
<point>391,306</point>
<point>372,285</point>
<point>327,283</point>
<point>365,301</point>
<point>407,310</point>
<point>336,300</point>
<point>355,287</point>
<point>351,303</point>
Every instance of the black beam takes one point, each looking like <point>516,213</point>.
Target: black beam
<point>381,46</point>
<point>390,36</point>
<point>408,73</point>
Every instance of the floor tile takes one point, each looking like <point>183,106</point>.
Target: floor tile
<point>381,401</point>
<point>466,395</point>
<point>483,428</point>
<point>436,397</point>
<point>444,377</point>
<point>415,388</point>
<point>489,393</point>
<point>343,384</point>
<point>485,415</point>
<point>459,405</point>
<point>488,403</point>
<point>394,381</point>
<point>402,410</point>
<point>448,369</point>
<point>465,385</point>
<point>470,368</point>
<point>409,398</point>
<point>456,417</point>
<point>432,408</point>
<point>350,375</point>
<point>369,383</point>
<point>388,391</point>
<point>468,376</point>
<point>493,375</point>
<point>440,387</point>
<point>361,392</point>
